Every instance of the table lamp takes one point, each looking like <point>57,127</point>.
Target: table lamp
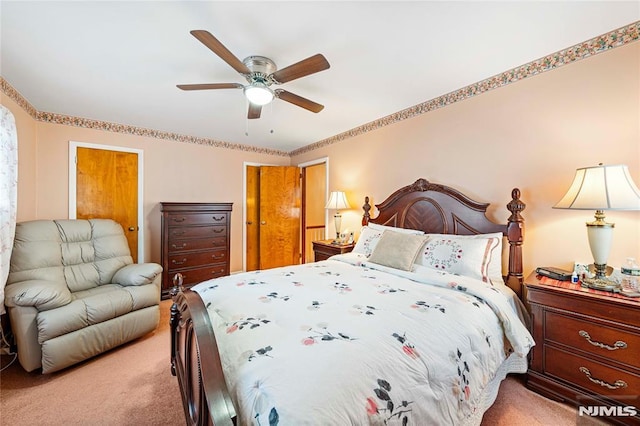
<point>337,201</point>
<point>601,188</point>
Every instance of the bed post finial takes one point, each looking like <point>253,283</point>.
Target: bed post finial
<point>366,207</point>
<point>515,235</point>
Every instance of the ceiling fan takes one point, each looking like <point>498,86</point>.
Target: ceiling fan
<point>261,73</point>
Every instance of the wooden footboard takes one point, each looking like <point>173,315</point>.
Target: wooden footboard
<point>196,362</point>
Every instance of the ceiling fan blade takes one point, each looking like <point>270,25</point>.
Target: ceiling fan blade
<point>209,86</point>
<point>254,111</point>
<point>299,101</point>
<point>218,48</point>
<point>312,64</point>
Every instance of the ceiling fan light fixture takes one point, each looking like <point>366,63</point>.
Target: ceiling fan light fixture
<point>258,93</point>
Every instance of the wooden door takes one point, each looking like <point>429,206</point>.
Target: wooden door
<point>107,188</point>
<point>252,256</point>
<point>280,209</point>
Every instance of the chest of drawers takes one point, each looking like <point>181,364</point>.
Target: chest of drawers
<point>587,346</point>
<point>195,242</point>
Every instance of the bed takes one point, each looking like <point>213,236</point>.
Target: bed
<point>417,325</point>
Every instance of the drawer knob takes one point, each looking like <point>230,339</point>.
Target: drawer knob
<point>178,219</point>
<point>176,262</point>
<point>617,385</point>
<point>617,345</point>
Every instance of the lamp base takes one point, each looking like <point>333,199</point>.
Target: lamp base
<point>607,271</point>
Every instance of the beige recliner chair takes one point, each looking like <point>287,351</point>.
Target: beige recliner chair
<point>73,292</point>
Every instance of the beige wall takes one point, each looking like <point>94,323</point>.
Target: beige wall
<point>532,134</point>
<point>173,171</point>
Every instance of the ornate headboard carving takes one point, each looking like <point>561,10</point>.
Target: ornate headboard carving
<point>439,209</point>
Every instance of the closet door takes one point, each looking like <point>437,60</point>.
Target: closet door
<point>107,187</point>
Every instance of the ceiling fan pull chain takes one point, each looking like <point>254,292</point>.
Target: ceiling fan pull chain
<point>271,118</point>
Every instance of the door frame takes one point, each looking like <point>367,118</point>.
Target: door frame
<point>244,198</point>
<point>73,169</point>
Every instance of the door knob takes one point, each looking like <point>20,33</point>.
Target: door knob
<point>131,228</point>
<point>262,222</point>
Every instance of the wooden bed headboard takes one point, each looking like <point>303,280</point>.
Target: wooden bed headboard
<point>439,209</point>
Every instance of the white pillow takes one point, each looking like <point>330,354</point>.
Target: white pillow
<point>367,241</point>
<point>371,234</point>
<point>377,227</point>
<point>477,256</point>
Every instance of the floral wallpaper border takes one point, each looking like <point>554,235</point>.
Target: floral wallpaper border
<point>615,38</point>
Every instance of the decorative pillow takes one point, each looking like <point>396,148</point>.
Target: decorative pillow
<point>377,227</point>
<point>468,255</point>
<point>397,250</point>
<point>367,241</point>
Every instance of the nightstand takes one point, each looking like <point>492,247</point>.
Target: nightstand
<point>587,346</point>
<point>324,249</point>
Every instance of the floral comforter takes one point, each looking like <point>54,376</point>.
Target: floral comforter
<point>344,341</point>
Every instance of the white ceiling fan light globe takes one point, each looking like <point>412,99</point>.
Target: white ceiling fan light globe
<point>258,94</point>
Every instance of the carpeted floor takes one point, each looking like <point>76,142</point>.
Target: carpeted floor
<point>132,385</point>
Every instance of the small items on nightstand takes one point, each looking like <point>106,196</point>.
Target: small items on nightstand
<point>574,277</point>
<point>555,273</point>
<point>630,272</point>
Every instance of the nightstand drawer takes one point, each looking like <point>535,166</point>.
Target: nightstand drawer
<point>324,249</point>
<point>591,375</point>
<point>600,340</point>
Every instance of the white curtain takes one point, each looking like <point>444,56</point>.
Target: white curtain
<point>8,193</point>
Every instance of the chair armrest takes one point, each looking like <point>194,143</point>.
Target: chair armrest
<point>41,294</point>
<point>137,274</point>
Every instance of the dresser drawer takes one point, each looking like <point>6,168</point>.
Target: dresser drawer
<point>197,275</point>
<point>600,340</point>
<point>197,244</point>
<point>591,375</point>
<point>187,260</point>
<point>180,219</point>
<point>198,232</point>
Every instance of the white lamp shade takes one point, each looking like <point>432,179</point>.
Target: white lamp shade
<point>258,94</point>
<point>337,201</point>
<point>601,188</point>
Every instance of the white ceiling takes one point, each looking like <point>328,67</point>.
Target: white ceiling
<point>120,61</point>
